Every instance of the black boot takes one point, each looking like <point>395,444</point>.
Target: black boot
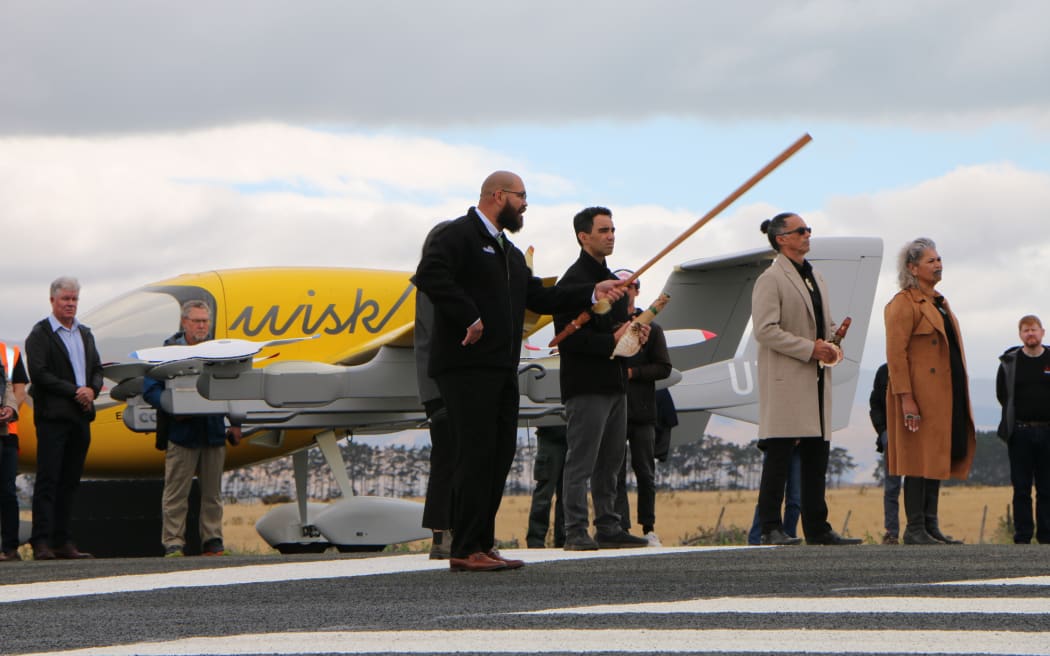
<point>933,493</point>
<point>915,511</point>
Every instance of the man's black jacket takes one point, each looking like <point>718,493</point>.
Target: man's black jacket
<point>585,364</point>
<point>53,385</point>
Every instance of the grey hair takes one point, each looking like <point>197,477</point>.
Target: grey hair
<point>64,282</point>
<point>910,254</point>
<point>195,304</point>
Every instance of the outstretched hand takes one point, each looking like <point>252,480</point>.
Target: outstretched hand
<point>611,290</point>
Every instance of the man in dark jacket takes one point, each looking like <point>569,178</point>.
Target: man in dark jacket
<point>593,386</point>
<point>1023,388</point>
<point>650,364</point>
<point>480,286</point>
<point>891,485</point>
<point>66,374</point>
<point>196,446</point>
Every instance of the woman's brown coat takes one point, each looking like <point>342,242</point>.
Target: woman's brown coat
<point>918,359</point>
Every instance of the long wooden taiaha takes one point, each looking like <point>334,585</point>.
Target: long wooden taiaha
<point>585,316</point>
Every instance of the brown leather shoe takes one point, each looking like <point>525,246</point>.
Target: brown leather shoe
<point>476,562</point>
<point>41,552</point>
<point>68,551</point>
<point>509,562</point>
<point>10,555</point>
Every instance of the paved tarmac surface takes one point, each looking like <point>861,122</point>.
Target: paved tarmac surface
<point>969,599</point>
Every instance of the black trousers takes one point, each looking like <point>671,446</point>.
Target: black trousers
<point>547,472</point>
<point>482,409</point>
<point>8,492</point>
<point>813,456</point>
<point>61,448</point>
<point>437,509</point>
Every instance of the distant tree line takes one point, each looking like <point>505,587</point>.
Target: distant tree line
<point>709,463</point>
<point>991,463</point>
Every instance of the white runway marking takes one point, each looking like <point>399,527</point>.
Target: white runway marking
<point>1021,580</point>
<point>646,641</point>
<point>326,569</point>
<point>829,605</point>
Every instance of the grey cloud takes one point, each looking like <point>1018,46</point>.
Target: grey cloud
<point>107,66</point>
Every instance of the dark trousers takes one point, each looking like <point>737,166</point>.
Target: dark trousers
<point>641,444</point>
<point>547,472</point>
<point>1029,450</point>
<point>437,508</point>
<point>61,448</point>
<point>8,492</point>
<point>482,409</point>
<point>792,503</point>
<point>813,459</point>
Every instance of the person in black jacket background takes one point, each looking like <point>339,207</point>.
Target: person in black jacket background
<point>66,375</point>
<point>1022,386</point>
<point>480,286</point>
<point>650,364</point>
<point>891,485</point>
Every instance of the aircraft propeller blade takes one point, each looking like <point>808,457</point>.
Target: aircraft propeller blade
<point>212,350</point>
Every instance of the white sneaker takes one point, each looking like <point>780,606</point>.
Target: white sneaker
<point>653,539</point>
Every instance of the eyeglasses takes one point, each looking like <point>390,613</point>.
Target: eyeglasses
<point>801,230</point>
<point>519,194</point>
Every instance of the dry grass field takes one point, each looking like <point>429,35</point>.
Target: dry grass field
<point>682,516</point>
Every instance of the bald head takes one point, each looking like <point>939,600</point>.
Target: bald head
<point>500,180</point>
<point>503,200</point>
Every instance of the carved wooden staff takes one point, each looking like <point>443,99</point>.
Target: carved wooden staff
<point>603,305</point>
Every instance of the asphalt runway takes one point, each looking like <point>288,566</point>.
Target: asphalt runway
<point>969,599</point>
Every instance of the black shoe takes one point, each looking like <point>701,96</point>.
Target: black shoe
<point>213,547</point>
<point>935,533</point>
<point>831,538</point>
<point>918,536</point>
<point>580,542</point>
<point>621,540</point>
<point>779,538</point>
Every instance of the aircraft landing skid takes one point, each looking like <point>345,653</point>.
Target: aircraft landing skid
<point>351,524</point>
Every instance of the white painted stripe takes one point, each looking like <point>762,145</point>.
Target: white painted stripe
<point>586,641</point>
<point>828,605</point>
<point>1021,580</point>
<point>335,568</point>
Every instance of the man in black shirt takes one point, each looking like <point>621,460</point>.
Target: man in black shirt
<point>1023,389</point>
<point>593,389</point>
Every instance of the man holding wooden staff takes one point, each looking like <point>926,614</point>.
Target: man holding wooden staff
<point>480,286</point>
<point>791,319</point>
<point>593,389</point>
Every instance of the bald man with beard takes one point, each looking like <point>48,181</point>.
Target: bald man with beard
<point>480,286</point>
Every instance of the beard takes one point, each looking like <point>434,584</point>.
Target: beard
<point>509,219</point>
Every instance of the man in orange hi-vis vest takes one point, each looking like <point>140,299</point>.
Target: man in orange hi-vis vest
<point>13,381</point>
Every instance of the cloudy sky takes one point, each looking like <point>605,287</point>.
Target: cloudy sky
<point>143,140</point>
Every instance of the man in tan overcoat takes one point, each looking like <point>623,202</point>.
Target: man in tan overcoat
<point>792,321</point>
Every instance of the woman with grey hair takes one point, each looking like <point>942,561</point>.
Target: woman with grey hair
<point>928,419</point>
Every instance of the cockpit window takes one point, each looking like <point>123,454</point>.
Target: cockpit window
<point>140,319</point>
